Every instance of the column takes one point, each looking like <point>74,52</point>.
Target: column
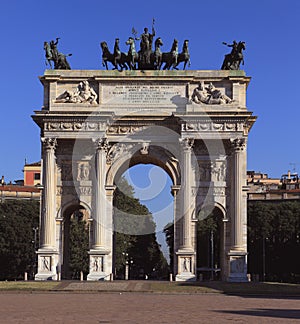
<point>48,254</point>
<point>49,195</point>
<point>100,254</point>
<point>100,194</point>
<point>238,252</point>
<point>239,169</point>
<point>185,254</point>
<point>187,145</point>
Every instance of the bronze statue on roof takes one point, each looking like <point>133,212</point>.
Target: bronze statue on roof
<point>52,54</point>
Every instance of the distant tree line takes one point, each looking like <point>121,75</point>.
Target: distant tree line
<point>18,219</point>
<point>274,240</point>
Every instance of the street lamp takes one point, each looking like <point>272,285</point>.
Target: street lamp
<point>35,229</point>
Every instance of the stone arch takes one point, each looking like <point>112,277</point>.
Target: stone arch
<point>69,204</point>
<point>211,206</point>
<point>156,155</point>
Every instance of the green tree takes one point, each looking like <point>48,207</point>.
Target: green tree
<point>169,233</point>
<point>273,240</point>
<point>79,246</point>
<point>17,246</point>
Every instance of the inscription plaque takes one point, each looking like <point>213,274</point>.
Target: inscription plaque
<point>143,94</point>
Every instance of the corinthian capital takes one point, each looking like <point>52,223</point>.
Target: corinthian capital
<point>238,144</point>
<point>187,143</point>
<point>101,144</point>
<point>49,143</point>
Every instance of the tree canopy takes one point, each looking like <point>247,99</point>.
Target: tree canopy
<point>18,219</point>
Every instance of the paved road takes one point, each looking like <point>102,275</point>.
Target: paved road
<point>136,307</point>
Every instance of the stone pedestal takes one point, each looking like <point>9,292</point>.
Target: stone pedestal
<point>98,269</point>
<point>47,265</point>
<point>237,266</point>
<point>186,265</point>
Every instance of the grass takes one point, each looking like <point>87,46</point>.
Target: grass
<point>248,288</point>
<point>28,285</point>
<point>164,287</point>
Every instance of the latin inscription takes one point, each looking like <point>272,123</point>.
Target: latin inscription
<point>142,94</point>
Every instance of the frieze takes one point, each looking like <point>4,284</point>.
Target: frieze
<point>85,191</point>
<point>74,126</point>
<point>211,126</point>
<point>118,129</point>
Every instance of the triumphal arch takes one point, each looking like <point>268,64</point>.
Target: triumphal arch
<point>96,124</point>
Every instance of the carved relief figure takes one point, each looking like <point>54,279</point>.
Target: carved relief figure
<point>83,94</point>
<point>186,265</point>
<point>97,264</point>
<point>209,95</point>
<point>144,149</point>
<point>218,171</point>
<point>46,264</point>
<point>83,171</point>
<point>200,94</point>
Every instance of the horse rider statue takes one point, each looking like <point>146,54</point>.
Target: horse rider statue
<point>52,54</point>
<point>235,57</point>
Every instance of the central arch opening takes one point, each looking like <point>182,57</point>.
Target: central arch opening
<point>143,207</point>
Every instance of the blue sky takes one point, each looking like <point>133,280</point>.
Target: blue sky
<point>270,29</point>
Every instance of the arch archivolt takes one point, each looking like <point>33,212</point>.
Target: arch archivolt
<point>210,207</point>
<point>122,156</point>
<point>72,203</point>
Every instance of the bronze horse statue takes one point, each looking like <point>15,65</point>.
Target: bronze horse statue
<point>184,56</point>
<point>156,56</point>
<point>170,58</point>
<point>233,60</point>
<point>116,59</point>
<point>132,55</point>
<point>133,59</point>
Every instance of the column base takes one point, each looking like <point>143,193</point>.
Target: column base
<point>237,266</point>
<point>47,265</point>
<point>99,269</point>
